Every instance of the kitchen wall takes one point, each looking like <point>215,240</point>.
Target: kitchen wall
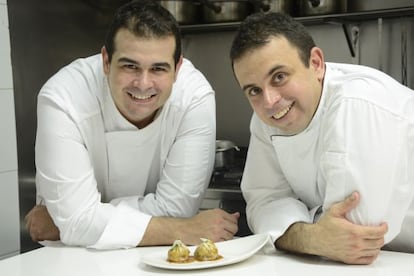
<point>9,207</point>
<point>45,37</point>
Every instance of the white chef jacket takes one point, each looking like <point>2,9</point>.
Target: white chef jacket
<point>361,138</point>
<point>100,177</point>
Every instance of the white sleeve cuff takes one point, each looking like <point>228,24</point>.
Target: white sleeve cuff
<point>125,229</point>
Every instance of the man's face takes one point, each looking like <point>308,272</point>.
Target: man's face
<point>281,90</point>
<point>140,75</point>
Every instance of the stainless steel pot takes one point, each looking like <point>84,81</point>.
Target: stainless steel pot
<point>316,7</point>
<point>369,5</point>
<point>216,11</point>
<point>283,6</point>
<point>225,152</point>
<point>184,11</point>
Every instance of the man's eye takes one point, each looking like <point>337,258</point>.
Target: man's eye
<point>279,77</point>
<point>159,69</point>
<point>130,67</point>
<point>254,91</point>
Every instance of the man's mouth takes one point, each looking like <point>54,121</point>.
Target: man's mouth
<point>139,97</point>
<point>282,113</point>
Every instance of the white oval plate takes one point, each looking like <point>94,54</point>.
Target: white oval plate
<point>232,251</point>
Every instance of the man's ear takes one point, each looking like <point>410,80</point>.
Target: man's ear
<point>317,62</point>
<point>105,60</point>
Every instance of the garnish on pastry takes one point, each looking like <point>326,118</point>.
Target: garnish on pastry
<point>179,253</point>
<point>206,251</point>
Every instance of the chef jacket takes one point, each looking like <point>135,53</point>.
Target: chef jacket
<point>361,138</point>
<point>102,178</point>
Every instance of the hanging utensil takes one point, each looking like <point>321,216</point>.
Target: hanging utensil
<point>380,66</point>
<point>404,52</point>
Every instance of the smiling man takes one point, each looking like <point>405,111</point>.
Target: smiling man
<point>330,163</point>
<point>125,142</point>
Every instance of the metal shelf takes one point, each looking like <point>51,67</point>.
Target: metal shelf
<point>342,18</point>
<point>357,16</point>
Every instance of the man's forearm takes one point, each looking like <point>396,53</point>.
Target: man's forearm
<point>299,238</point>
<point>215,224</point>
<point>335,237</point>
<point>162,231</point>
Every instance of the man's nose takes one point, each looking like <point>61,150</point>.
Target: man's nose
<point>143,80</point>
<point>270,98</point>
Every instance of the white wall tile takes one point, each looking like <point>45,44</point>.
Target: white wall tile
<point>8,148</point>
<point>9,204</point>
<point>6,80</point>
<point>9,214</point>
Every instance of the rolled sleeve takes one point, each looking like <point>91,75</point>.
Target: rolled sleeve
<point>124,230</point>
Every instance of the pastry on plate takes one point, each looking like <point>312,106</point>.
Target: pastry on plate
<point>206,251</point>
<point>178,253</point>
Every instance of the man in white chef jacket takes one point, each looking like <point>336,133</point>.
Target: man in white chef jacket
<point>330,166</point>
<point>125,142</point>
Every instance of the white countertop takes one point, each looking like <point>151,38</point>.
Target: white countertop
<point>63,261</point>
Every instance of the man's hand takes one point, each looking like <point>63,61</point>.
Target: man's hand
<point>40,225</point>
<point>336,238</point>
<point>216,225</point>
<point>344,241</point>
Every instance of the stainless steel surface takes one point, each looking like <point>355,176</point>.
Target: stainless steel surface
<point>224,145</point>
<point>224,194</point>
<point>315,7</point>
<point>283,6</point>
<point>184,11</point>
<point>214,11</point>
<point>44,37</point>
<point>225,151</point>
<point>369,5</point>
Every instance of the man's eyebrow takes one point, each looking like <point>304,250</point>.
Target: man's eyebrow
<point>274,69</point>
<point>247,86</point>
<point>128,60</point>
